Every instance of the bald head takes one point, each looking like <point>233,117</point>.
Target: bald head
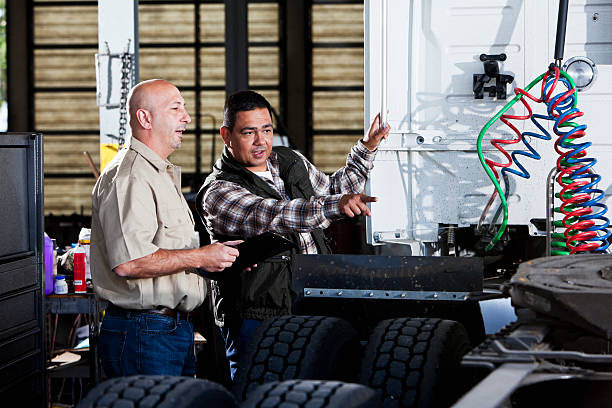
<point>142,96</point>
<point>157,115</point>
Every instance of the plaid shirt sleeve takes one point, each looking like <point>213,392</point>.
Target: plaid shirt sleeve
<point>232,210</point>
<point>349,179</point>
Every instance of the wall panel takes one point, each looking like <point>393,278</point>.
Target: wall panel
<point>337,81</point>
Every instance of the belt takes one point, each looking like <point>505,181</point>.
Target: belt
<point>163,311</point>
<point>173,313</point>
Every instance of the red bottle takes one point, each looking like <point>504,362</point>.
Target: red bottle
<point>80,284</point>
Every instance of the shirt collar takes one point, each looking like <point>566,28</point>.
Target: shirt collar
<point>149,155</point>
<point>272,159</point>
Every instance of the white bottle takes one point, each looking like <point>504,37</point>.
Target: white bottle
<point>61,287</point>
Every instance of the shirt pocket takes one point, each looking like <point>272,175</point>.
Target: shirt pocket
<point>174,216</point>
<point>175,229</point>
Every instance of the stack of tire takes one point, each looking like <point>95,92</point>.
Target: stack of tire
<point>317,361</point>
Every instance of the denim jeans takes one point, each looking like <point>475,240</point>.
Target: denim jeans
<point>236,336</point>
<point>144,343</point>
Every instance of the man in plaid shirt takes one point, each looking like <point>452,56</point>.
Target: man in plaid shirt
<point>254,189</point>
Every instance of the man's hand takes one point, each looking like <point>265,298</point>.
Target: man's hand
<point>376,134</point>
<point>355,204</point>
<point>218,256</point>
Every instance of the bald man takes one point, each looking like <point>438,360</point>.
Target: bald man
<point>144,252</point>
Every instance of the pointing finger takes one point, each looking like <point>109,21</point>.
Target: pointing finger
<point>368,199</point>
<point>233,243</point>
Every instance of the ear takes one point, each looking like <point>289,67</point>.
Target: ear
<point>144,118</point>
<point>225,135</point>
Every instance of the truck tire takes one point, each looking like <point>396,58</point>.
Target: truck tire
<point>415,362</point>
<point>298,347</point>
<point>312,394</point>
<point>145,391</point>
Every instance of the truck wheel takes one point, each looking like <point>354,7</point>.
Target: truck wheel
<point>158,391</point>
<point>298,347</point>
<point>415,362</point>
<point>311,394</point>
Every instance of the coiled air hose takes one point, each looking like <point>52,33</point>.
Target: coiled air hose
<point>585,230</point>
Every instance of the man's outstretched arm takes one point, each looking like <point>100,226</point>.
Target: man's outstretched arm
<point>234,211</point>
<point>212,258</point>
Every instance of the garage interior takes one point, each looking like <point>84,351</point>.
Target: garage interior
<point>305,57</point>
<point>497,294</point>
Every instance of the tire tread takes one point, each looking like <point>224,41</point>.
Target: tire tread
<point>290,347</point>
<point>156,391</point>
<point>311,393</point>
<point>403,355</point>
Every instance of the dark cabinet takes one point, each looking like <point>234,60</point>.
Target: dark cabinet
<point>22,351</point>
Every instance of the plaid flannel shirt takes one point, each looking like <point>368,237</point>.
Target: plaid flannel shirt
<point>230,209</point>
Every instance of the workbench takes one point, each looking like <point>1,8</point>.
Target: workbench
<point>85,303</point>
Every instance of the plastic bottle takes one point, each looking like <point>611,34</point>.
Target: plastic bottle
<point>61,287</point>
<point>85,244</point>
<point>48,264</point>
<point>54,258</point>
<point>80,285</point>
<point>84,241</point>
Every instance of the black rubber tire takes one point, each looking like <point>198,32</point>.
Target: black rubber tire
<point>144,391</point>
<point>415,362</point>
<point>312,394</point>
<point>298,347</point>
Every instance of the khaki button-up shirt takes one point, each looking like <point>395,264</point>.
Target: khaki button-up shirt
<point>138,208</point>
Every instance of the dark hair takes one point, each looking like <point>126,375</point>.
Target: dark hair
<point>242,101</point>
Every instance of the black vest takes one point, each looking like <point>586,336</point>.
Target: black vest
<point>266,291</point>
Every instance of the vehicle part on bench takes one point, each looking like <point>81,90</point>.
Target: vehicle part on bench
<point>298,347</point>
<point>576,289</point>
<point>158,391</point>
<point>312,394</point>
<point>415,362</point>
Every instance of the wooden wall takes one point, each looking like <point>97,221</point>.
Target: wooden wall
<point>336,111</point>
<point>71,112</point>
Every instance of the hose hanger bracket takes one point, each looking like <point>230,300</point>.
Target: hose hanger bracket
<point>491,74</point>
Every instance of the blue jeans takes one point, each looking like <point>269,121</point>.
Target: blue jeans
<point>133,342</point>
<point>236,336</point>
